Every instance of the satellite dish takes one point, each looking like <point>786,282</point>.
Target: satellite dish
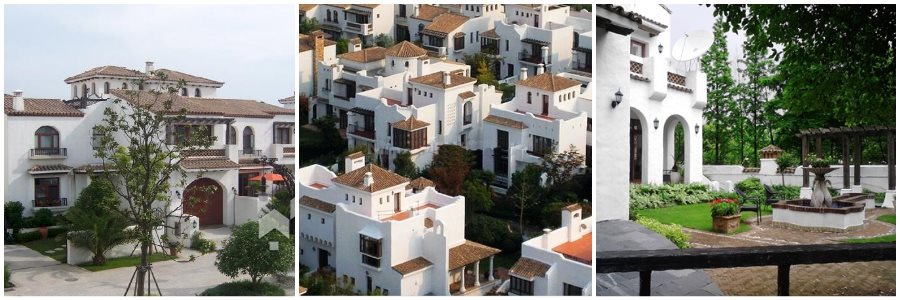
<point>692,45</point>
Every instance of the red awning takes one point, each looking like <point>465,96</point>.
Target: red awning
<point>269,177</point>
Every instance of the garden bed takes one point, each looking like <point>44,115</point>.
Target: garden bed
<point>121,262</point>
<point>694,216</point>
<point>243,288</point>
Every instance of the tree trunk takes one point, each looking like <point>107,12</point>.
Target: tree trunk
<point>99,259</point>
<point>141,277</point>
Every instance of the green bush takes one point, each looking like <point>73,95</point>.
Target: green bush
<point>645,196</point>
<point>788,191</point>
<point>244,288</point>
<point>201,244</point>
<point>43,217</point>
<point>672,232</point>
<point>245,252</point>
<point>490,231</point>
<point>752,187</point>
<point>12,211</point>
<point>6,274</point>
<point>30,236</point>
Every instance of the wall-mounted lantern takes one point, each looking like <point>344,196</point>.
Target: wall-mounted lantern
<point>660,48</point>
<point>697,128</point>
<point>617,99</point>
<point>656,123</point>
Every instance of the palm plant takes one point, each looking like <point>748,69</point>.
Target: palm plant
<point>95,222</point>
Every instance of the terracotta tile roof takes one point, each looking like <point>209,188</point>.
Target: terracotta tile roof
<point>170,75</point>
<point>469,252</point>
<point>410,124</point>
<point>286,100</point>
<point>467,95</point>
<point>579,250</point>
<point>405,49</point>
<point>317,204</point>
<point>429,12</point>
<point>444,24</point>
<point>436,79</point>
<point>206,106</point>
<point>89,168</point>
<point>413,265</point>
<point>419,183</point>
<point>370,6</point>
<point>355,155</point>
<point>505,122</point>
<point>572,207</point>
<point>307,7</point>
<point>307,43</point>
<point>41,108</point>
<point>365,55</point>
<point>344,6</point>
<point>249,163</point>
<point>57,168</point>
<point>383,178</point>
<point>527,268</point>
<point>548,82</point>
<point>208,163</point>
<point>491,34</point>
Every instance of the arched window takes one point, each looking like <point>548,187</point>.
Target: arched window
<point>231,139</point>
<point>184,92</point>
<point>467,113</point>
<point>74,91</point>
<point>46,137</point>
<point>84,91</point>
<point>529,97</point>
<point>196,92</point>
<point>140,86</point>
<point>248,140</point>
<point>406,64</point>
<point>334,16</point>
<point>106,87</point>
<point>124,86</point>
<point>94,88</point>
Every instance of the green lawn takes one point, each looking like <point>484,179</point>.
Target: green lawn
<point>888,219</point>
<point>878,239</point>
<point>121,262</point>
<point>42,246</point>
<point>694,216</point>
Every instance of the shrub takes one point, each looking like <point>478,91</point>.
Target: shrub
<point>30,236</point>
<point>491,231</point>
<point>203,245</point>
<point>12,212</point>
<point>752,187</point>
<point>96,224</point>
<point>672,232</point>
<point>245,252</point>
<point>724,207</point>
<point>644,196</point>
<point>43,217</point>
<point>788,191</point>
<point>6,275</point>
<point>244,288</point>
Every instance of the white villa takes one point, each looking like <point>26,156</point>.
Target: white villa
<point>559,262</point>
<point>54,158</point>
<point>379,231</point>
<point>642,95</point>
<point>415,96</point>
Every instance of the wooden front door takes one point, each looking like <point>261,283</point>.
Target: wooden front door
<point>204,198</point>
<point>545,108</point>
<point>397,202</point>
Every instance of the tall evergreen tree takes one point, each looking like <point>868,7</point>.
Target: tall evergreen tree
<point>719,92</point>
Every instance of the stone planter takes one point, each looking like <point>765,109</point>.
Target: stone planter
<point>726,224</point>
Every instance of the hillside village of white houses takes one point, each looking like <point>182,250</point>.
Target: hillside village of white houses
<point>377,231</point>
<point>55,158</point>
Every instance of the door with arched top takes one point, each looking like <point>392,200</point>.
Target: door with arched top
<point>204,198</point>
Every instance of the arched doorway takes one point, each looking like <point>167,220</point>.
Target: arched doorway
<point>204,198</point>
<point>676,150</point>
<point>637,141</point>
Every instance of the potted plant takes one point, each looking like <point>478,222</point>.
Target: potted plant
<point>726,215</point>
<point>43,218</point>
<point>175,246</point>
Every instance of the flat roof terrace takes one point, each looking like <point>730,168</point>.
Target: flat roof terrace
<point>403,215</point>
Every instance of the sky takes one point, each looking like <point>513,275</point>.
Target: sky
<point>249,47</point>
<point>691,17</point>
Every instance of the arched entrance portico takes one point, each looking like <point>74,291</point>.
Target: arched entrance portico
<point>204,198</point>
<point>637,141</point>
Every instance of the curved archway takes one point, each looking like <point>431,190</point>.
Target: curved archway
<point>638,140</point>
<point>46,137</point>
<point>676,148</point>
<point>204,198</point>
<point>247,140</point>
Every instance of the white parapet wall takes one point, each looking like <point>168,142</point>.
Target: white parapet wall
<point>872,177</point>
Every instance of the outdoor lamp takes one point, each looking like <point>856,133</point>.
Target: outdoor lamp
<point>617,99</point>
<point>697,128</point>
<point>194,223</point>
<point>660,48</point>
<point>178,194</point>
<point>655,123</point>
<point>234,190</point>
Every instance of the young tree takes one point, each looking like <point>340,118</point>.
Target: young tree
<point>449,168</point>
<point>525,191</point>
<point>245,252</point>
<point>95,223</point>
<point>384,41</point>
<point>719,87</point>
<point>342,46</point>
<point>785,162</point>
<point>563,166</point>
<point>308,25</point>
<point>404,166</point>
<point>143,163</point>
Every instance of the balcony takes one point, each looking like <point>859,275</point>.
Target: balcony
<point>47,203</point>
<point>365,133</point>
<point>250,153</point>
<point>288,151</point>
<point>532,58</point>
<point>435,50</point>
<point>48,153</point>
<point>582,67</point>
<point>490,49</point>
<point>360,28</point>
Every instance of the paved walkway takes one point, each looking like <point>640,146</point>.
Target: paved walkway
<point>627,235</point>
<point>864,278</point>
<point>38,275</point>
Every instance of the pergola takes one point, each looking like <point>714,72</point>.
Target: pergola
<point>848,136</point>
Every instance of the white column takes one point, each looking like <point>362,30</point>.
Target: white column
<point>462,280</point>
<point>491,269</point>
<point>477,273</point>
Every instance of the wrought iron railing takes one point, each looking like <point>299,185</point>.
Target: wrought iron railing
<point>49,152</point>
<point>56,202</point>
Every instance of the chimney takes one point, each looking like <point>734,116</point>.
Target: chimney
<point>545,54</point>
<point>354,161</point>
<point>571,220</point>
<point>149,67</point>
<point>446,78</point>
<point>545,239</point>
<point>368,180</point>
<point>18,101</point>
<point>540,69</point>
<point>523,73</point>
<point>318,45</point>
<point>415,10</point>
